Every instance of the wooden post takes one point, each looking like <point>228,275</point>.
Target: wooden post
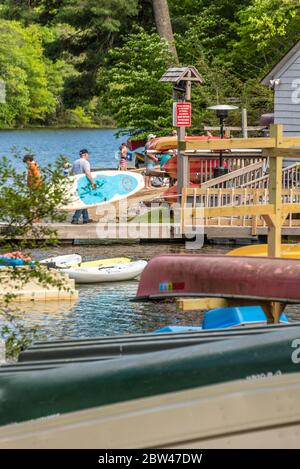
<point>182,161</point>
<point>183,176</point>
<point>254,217</point>
<point>275,195</point>
<point>245,123</point>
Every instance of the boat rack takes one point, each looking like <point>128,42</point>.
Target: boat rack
<point>54,354</point>
<point>33,394</point>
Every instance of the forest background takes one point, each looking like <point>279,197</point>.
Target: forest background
<point>85,63</point>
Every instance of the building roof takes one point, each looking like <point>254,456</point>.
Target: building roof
<point>176,74</point>
<point>282,65</point>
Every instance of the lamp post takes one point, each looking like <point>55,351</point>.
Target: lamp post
<point>222,111</point>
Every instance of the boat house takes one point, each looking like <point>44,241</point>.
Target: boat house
<point>284,78</point>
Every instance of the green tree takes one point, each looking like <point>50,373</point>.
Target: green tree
<point>266,29</point>
<point>208,23</point>
<point>72,53</point>
<point>138,100</point>
<point>33,83</point>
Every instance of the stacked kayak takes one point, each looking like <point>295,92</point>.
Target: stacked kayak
<point>113,272</point>
<point>102,270</point>
<point>226,318</point>
<point>104,262</point>
<point>196,275</point>
<point>203,166</point>
<point>27,395</point>
<point>75,260</point>
<point>63,261</point>
<point>288,251</point>
<point>160,144</point>
<point>58,261</point>
<point>12,262</point>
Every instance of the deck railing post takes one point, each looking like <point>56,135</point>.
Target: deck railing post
<point>275,195</point>
<point>183,162</point>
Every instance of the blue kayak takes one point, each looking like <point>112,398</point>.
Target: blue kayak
<point>11,261</point>
<point>223,318</point>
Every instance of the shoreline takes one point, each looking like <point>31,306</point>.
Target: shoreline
<point>12,129</point>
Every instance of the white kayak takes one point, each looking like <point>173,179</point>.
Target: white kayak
<point>63,261</point>
<point>113,273</point>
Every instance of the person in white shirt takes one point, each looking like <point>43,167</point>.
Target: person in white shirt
<point>82,166</point>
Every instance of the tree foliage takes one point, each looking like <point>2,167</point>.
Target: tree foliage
<point>266,29</point>
<point>33,82</point>
<point>67,70</point>
<point>138,100</point>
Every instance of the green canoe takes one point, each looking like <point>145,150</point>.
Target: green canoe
<point>26,395</point>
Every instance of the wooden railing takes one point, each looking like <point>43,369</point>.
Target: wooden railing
<point>238,178</point>
<point>205,163</point>
<point>290,179</point>
<point>195,199</point>
<point>276,147</point>
<point>255,176</point>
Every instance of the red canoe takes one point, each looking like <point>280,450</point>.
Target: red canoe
<point>133,144</point>
<point>196,275</point>
<point>200,171</point>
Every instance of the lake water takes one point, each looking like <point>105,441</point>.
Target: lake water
<point>107,309</point>
<point>48,144</point>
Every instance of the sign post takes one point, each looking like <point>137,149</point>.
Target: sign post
<point>182,113</point>
<point>182,79</point>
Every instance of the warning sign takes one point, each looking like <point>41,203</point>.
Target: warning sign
<point>182,114</point>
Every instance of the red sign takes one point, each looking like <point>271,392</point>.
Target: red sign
<point>182,114</point>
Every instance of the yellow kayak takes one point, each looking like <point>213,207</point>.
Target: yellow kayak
<point>104,262</point>
<point>288,251</point>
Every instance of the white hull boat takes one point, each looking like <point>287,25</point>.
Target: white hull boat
<point>63,261</point>
<point>113,273</point>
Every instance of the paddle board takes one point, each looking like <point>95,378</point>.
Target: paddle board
<point>111,186</point>
<point>288,251</point>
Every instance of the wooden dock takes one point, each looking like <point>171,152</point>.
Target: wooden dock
<point>33,290</point>
<point>220,228</point>
<point>68,233</point>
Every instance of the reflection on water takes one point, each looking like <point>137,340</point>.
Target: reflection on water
<point>107,309</point>
<point>104,309</point>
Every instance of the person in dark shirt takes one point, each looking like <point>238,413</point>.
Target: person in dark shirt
<point>82,166</point>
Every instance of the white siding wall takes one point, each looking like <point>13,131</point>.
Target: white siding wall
<point>287,98</point>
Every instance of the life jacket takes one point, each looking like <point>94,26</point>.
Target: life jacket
<point>34,179</point>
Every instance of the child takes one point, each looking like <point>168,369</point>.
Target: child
<point>34,180</point>
<point>123,150</point>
